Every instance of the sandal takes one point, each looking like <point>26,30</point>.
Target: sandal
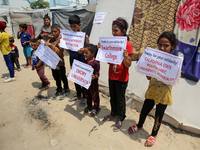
<point>83,102</point>
<point>94,112</point>
<point>72,99</point>
<point>132,129</point>
<point>117,126</point>
<point>87,109</point>
<point>151,140</point>
<point>108,118</point>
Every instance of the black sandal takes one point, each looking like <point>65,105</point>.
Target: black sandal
<point>94,112</point>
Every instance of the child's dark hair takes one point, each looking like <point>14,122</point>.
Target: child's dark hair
<point>74,19</point>
<point>23,26</point>
<point>56,26</point>
<point>46,17</point>
<point>170,36</point>
<point>92,48</point>
<point>12,40</point>
<point>34,40</point>
<point>122,24</point>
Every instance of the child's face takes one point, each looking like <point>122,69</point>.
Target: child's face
<point>22,29</point>
<point>34,46</point>
<point>47,22</point>
<point>116,31</point>
<point>55,32</point>
<point>75,27</point>
<point>88,54</point>
<point>165,45</point>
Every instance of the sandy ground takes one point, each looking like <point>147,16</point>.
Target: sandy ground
<point>30,120</point>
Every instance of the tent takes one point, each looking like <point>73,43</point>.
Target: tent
<point>61,17</point>
<point>33,19</point>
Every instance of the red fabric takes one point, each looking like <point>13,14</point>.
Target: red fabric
<point>30,30</point>
<point>120,72</point>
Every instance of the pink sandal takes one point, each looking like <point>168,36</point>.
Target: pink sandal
<point>151,140</point>
<point>132,129</point>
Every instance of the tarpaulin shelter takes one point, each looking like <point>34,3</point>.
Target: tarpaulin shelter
<point>33,19</point>
<point>60,15</point>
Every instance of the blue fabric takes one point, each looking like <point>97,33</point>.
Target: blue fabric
<point>25,37</point>
<point>75,55</point>
<point>9,65</point>
<point>35,59</point>
<point>27,51</point>
<point>191,62</point>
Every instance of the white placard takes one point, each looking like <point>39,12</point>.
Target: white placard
<point>99,17</point>
<point>72,40</point>
<point>161,65</point>
<point>81,73</point>
<point>111,49</point>
<point>47,55</point>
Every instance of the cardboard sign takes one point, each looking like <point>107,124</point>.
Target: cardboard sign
<point>81,74</point>
<point>99,17</point>
<point>161,65</point>
<point>72,40</point>
<point>111,49</point>
<point>47,55</point>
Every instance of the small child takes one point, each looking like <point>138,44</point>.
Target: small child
<point>59,74</point>
<point>158,93</point>
<point>14,54</point>
<point>92,94</point>
<point>75,24</point>
<point>38,65</point>
<point>25,40</point>
<point>46,29</point>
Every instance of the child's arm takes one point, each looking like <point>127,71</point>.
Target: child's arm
<point>87,41</point>
<point>54,48</point>
<point>148,77</point>
<point>127,59</point>
<point>96,71</point>
<point>18,36</point>
<point>17,52</point>
<point>38,64</point>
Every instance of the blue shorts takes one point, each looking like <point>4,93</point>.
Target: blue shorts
<point>27,51</point>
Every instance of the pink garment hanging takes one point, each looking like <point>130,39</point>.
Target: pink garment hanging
<point>30,30</point>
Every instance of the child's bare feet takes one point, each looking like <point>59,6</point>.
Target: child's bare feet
<point>29,66</point>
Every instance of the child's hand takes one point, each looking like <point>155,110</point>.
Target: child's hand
<point>42,35</point>
<point>81,50</point>
<point>98,46</point>
<point>24,43</point>
<point>18,31</point>
<point>33,67</point>
<point>47,44</point>
<point>125,53</point>
<point>37,65</point>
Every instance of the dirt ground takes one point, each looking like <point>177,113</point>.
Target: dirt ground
<point>30,120</point>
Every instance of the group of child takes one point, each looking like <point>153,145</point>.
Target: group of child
<point>158,93</point>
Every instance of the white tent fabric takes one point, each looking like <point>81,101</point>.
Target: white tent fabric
<point>184,111</point>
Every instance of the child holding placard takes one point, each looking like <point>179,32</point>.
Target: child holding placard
<point>59,74</point>
<point>92,94</point>
<point>158,93</point>
<point>75,24</point>
<point>118,77</point>
<point>38,64</point>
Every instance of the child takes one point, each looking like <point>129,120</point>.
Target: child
<point>14,54</point>
<point>25,40</point>
<point>5,50</point>
<point>46,29</point>
<point>157,93</point>
<point>38,65</point>
<point>118,77</point>
<point>75,24</point>
<point>92,94</point>
<point>60,72</point>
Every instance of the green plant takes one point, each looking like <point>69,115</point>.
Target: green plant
<point>38,4</point>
